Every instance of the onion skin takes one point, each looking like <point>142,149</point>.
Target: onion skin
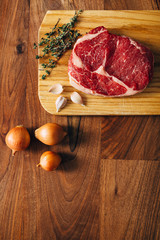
<point>49,161</point>
<point>50,134</point>
<point>17,139</point>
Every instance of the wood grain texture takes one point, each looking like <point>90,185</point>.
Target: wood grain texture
<point>80,200</point>
<point>130,199</point>
<point>36,204</point>
<point>135,24</point>
<point>132,5</point>
<point>131,138</point>
<point>87,5</point>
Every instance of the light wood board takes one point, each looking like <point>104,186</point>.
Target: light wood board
<point>143,26</point>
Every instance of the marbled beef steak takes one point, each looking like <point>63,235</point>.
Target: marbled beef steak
<point>106,64</point>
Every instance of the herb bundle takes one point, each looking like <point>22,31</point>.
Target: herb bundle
<point>57,41</point>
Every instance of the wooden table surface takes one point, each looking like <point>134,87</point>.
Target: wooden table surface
<point>108,185</point>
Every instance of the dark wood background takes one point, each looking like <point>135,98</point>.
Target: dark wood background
<point>108,186</point>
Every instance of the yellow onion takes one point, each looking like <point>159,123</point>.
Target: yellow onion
<point>17,139</point>
<point>50,133</point>
<point>49,161</point>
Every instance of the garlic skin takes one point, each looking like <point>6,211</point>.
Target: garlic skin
<point>17,139</point>
<point>61,103</point>
<point>50,134</point>
<point>76,98</point>
<point>56,88</point>
<point>49,161</point>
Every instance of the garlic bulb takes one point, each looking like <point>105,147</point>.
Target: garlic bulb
<point>56,88</point>
<point>76,98</point>
<point>60,103</point>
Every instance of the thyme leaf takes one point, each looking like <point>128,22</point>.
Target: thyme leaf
<point>57,42</point>
<point>34,46</point>
<point>43,76</point>
<point>48,72</point>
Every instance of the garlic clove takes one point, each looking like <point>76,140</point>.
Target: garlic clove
<point>56,88</point>
<point>76,98</point>
<point>60,103</point>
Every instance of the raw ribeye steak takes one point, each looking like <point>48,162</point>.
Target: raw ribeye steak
<point>106,64</point>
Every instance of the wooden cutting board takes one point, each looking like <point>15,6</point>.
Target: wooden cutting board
<point>143,26</point>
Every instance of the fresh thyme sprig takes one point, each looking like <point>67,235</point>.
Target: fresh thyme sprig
<point>57,41</point>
